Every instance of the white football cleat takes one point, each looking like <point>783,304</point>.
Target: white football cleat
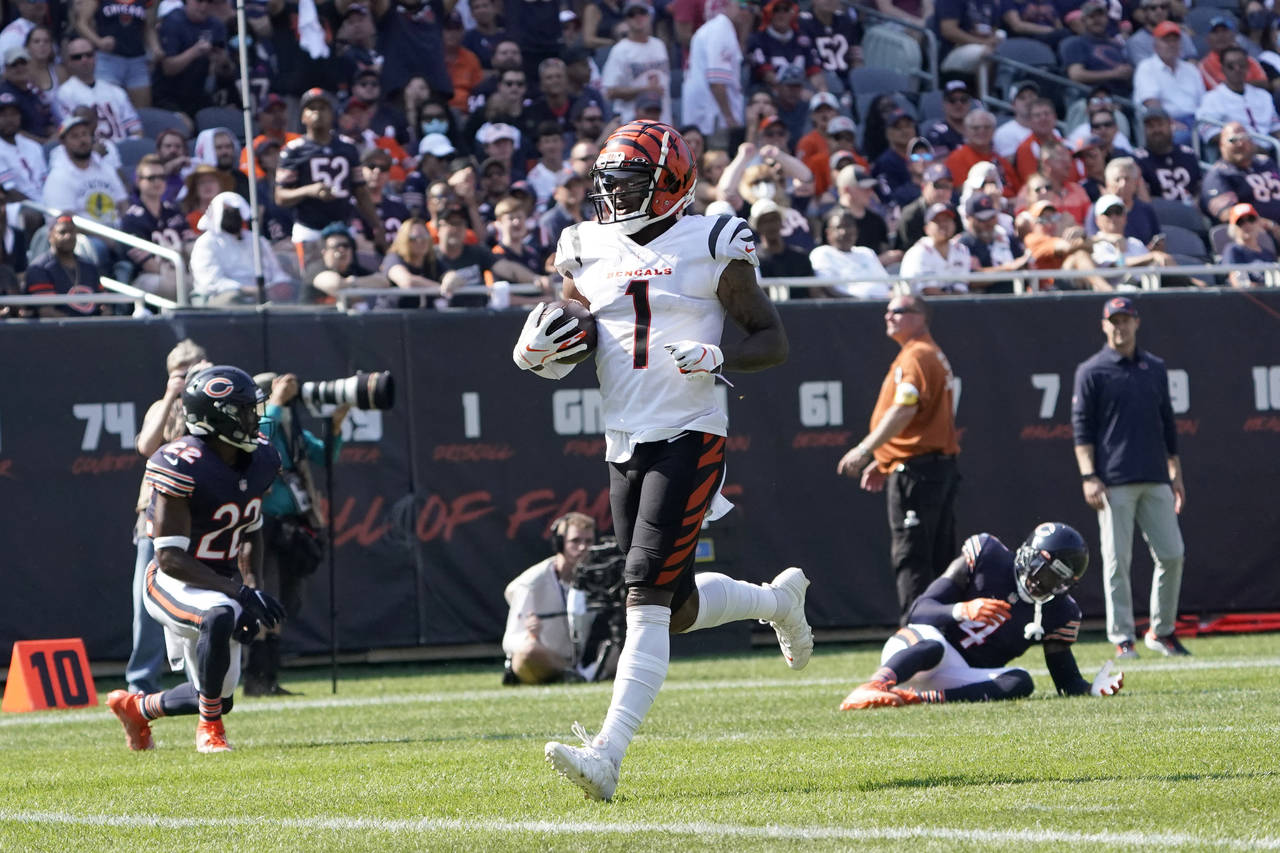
<point>585,766</point>
<point>794,636</point>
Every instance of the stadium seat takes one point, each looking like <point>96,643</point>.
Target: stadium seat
<point>1198,17</point>
<point>1219,238</point>
<point>869,80</point>
<point>229,117</point>
<point>155,120</point>
<point>885,46</point>
<point>931,105</point>
<point>1180,214</point>
<point>1028,52</point>
<point>1184,242</point>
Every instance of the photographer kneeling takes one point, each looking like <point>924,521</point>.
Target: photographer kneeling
<point>293,528</point>
<point>538,641</point>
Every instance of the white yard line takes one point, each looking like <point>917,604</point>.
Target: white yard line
<point>695,830</point>
<point>526,693</point>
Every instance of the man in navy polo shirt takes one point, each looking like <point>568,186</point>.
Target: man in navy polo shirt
<point>1127,451</point>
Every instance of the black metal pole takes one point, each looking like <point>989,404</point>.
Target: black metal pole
<point>333,547</point>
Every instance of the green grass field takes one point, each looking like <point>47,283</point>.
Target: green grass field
<point>739,754</point>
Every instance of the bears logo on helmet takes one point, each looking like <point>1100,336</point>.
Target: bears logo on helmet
<point>223,401</point>
<point>644,174</point>
<point>1052,559</point>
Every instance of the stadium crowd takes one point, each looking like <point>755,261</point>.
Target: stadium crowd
<point>436,148</point>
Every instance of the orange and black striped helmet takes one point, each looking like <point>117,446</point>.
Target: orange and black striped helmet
<point>642,149</point>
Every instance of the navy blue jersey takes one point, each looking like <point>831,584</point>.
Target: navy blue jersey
<point>943,137</point>
<point>337,164</point>
<point>833,44</point>
<point>169,228</point>
<point>1174,175</point>
<point>765,49</point>
<point>991,575</point>
<point>225,501</point>
<point>1258,184</point>
<point>392,213</point>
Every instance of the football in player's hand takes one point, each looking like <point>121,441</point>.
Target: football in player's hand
<point>584,332</point>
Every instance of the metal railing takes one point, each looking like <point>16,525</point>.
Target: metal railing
<point>1058,80</point>
<point>91,226</point>
<point>929,74</point>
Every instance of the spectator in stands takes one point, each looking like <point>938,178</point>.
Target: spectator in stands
<point>193,44</point>
<point>1033,19</point>
<point>551,168</point>
<point>1141,45</point>
<point>504,107</point>
<point>31,14</point>
<point>859,271</point>
<point>203,183</point>
<point>222,264</point>
<point>917,13</point>
<point>968,33</point>
<point>774,47</point>
<point>583,77</point>
<point>472,266</point>
<point>61,270</point>
<point>104,148</point>
<point>566,211</point>
<point>1054,246</point>
<point>825,23</point>
<point>410,264</point>
<point>464,67</point>
<point>123,34</point>
<point>218,147</point>
<point>588,124</point>
<point>984,179</point>
<point>501,142</point>
<point>355,42</point>
<point>434,152</point>
<point>891,166</point>
<point>979,128</point>
<point>1168,81</point>
<point>1093,166</point>
<point>855,192</point>
<point>604,23</point>
<point>23,172</point>
<point>638,63</point>
<point>791,99</point>
<point>425,114</point>
<point>779,257</point>
<point>272,118</point>
<point>83,183</point>
<point>485,34</point>
<point>1102,123</point>
<point>44,73</point>
<point>37,116</point>
<point>1222,35</point>
<point>1010,134</point>
<point>991,247</point>
<point>1044,121</point>
<point>154,219</point>
<point>937,188</point>
<point>117,118</point>
<point>1058,167</point>
<point>376,165</point>
<point>815,147</point>
<point>939,254</point>
<point>1232,180</point>
<point>947,135</point>
<point>1096,57</point>
<point>1245,230</point>
<point>171,148</point>
<point>772,174</point>
<point>410,43</point>
<point>507,56</point>
<point>1111,247</point>
<point>384,119</point>
<point>711,97</point>
<point>553,104</point>
<point>342,267</point>
<point>277,221</point>
<point>1234,100</point>
<point>516,241</point>
<point>1125,180</point>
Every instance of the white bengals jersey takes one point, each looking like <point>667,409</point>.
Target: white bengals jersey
<point>644,297</point>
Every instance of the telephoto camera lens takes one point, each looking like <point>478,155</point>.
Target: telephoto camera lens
<point>362,390</point>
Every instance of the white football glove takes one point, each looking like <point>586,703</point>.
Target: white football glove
<point>694,358</point>
<point>536,349</point>
<point>1106,683</point>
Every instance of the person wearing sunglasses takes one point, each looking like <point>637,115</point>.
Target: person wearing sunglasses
<point>990,607</point>
<point>117,117</point>
<point>1232,180</point>
<point>1246,232</point>
<point>1234,99</point>
<point>947,135</point>
<point>1170,171</point>
<point>1149,15</point>
<point>910,452</point>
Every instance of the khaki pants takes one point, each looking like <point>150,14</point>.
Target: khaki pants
<point>1150,505</point>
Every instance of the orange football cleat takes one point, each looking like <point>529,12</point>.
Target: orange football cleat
<point>908,695</point>
<point>211,737</point>
<point>873,694</point>
<point>137,729</point>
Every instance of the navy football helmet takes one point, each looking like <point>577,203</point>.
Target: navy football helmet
<point>1050,562</point>
<point>223,401</point>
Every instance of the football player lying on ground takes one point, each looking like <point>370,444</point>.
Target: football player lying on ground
<point>988,607</point>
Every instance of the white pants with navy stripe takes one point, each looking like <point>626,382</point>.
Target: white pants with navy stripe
<point>952,671</point>
<point>180,608</point>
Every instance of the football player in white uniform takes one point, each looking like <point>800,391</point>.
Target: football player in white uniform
<point>659,285</point>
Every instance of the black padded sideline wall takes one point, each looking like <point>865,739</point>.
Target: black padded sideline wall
<point>441,501</point>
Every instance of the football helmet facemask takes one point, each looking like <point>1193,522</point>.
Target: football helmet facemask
<point>644,174</point>
<point>223,401</point>
<point>1050,562</point>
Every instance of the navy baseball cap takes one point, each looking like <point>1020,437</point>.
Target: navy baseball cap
<point>1119,305</point>
<point>980,206</point>
<point>936,173</point>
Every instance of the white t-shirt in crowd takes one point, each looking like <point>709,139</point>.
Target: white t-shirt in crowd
<point>634,63</point>
<point>923,259</point>
<point>853,268</point>
<point>95,191</point>
<point>714,57</point>
<point>117,118</point>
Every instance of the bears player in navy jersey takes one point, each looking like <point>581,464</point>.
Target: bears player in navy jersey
<point>987,609</point>
<point>206,506</point>
<point>659,285</point>
<point>319,175</point>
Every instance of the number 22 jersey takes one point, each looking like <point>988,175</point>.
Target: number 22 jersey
<point>644,297</point>
<point>225,502</point>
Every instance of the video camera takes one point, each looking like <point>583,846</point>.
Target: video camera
<point>362,390</point>
<point>600,635</point>
<point>600,576</point>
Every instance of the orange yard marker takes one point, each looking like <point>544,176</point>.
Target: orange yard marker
<point>47,674</point>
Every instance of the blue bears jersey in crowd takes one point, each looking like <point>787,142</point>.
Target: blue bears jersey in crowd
<point>337,165</point>
<point>225,501</point>
<point>991,575</point>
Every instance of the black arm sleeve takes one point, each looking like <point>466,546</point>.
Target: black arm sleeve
<point>1062,667</point>
<point>934,604</point>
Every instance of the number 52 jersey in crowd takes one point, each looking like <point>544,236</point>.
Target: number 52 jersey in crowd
<point>225,501</point>
<point>644,297</point>
<point>336,164</point>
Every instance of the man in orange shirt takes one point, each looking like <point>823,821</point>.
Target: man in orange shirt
<point>1222,35</point>
<point>1052,250</point>
<point>814,148</point>
<point>912,449</point>
<point>1044,120</point>
<point>979,130</point>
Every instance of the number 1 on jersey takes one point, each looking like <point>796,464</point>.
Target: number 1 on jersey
<point>638,290</point>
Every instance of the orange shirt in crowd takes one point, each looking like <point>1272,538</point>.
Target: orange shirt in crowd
<point>964,158</point>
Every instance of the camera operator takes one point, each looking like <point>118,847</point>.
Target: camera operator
<point>293,528</point>
<point>538,642</point>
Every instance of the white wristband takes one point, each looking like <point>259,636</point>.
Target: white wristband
<point>957,613</point>
<point>182,543</point>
